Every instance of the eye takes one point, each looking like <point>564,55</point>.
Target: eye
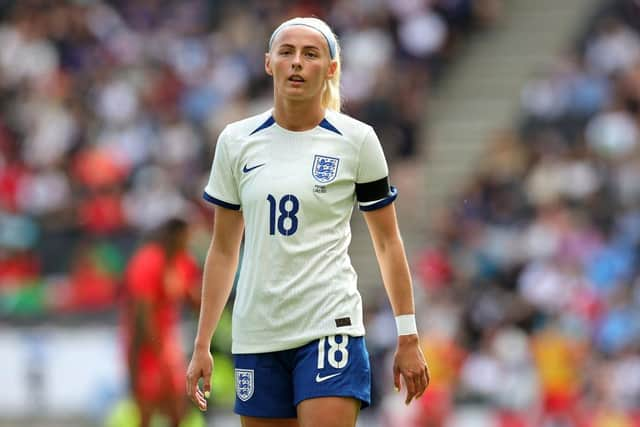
<point>311,54</point>
<point>285,52</point>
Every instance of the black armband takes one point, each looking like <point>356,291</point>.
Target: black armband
<point>372,191</point>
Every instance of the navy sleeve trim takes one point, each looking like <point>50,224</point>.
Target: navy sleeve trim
<point>393,194</point>
<point>374,190</point>
<point>219,202</point>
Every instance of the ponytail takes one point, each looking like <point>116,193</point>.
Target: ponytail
<point>331,93</point>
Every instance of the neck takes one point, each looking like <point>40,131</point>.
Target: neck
<point>297,116</point>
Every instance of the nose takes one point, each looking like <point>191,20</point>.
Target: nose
<point>296,63</point>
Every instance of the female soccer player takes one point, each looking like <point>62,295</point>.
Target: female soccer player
<point>289,178</point>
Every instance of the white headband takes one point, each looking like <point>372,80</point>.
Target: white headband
<point>314,23</point>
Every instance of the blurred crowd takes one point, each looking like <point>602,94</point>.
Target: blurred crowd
<point>110,111</point>
<point>530,284</point>
<point>529,288</point>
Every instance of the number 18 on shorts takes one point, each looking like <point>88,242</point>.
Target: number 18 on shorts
<point>272,384</point>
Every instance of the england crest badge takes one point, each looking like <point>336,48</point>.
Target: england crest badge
<point>244,384</point>
<point>325,168</point>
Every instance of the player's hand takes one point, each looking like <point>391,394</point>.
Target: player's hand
<point>201,366</point>
<point>409,362</point>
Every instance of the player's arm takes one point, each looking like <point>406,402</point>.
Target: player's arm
<point>219,271</point>
<point>409,360</point>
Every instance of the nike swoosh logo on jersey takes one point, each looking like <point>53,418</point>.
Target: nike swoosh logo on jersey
<point>245,169</point>
<point>320,379</point>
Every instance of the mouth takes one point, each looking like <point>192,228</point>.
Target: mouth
<point>296,78</point>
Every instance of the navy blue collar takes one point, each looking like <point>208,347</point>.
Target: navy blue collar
<point>270,121</point>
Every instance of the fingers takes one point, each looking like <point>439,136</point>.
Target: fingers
<point>201,366</point>
<point>416,382</point>
<point>396,378</point>
<point>409,362</point>
<point>193,391</point>
<point>206,384</point>
<point>201,401</point>
<point>191,386</point>
<point>422,382</point>
<point>410,382</point>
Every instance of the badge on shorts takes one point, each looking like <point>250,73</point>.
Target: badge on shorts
<point>325,168</point>
<point>244,384</point>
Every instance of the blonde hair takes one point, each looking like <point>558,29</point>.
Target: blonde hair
<point>331,91</point>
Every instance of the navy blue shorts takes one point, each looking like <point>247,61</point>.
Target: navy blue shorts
<point>272,384</point>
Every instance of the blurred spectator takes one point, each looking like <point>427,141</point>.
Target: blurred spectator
<point>559,358</point>
<point>612,134</point>
<point>93,280</point>
<point>613,48</point>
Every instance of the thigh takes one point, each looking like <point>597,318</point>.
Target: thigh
<point>328,412</point>
<point>268,422</point>
<point>333,366</point>
<point>148,384</point>
<point>264,386</point>
<point>175,406</point>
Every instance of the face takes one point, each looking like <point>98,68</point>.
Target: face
<point>299,63</point>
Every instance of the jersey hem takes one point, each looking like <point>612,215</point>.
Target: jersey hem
<point>253,348</point>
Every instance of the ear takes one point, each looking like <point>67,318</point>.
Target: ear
<point>333,66</point>
<point>267,64</point>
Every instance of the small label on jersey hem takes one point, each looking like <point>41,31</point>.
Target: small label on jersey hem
<point>343,321</point>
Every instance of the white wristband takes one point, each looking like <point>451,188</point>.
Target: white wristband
<point>406,324</point>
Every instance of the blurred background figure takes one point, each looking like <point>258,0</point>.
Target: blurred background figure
<point>108,113</point>
<point>159,277</point>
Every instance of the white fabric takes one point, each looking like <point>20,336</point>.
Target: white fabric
<point>292,288</point>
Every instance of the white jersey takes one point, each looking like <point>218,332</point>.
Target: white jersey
<point>296,191</point>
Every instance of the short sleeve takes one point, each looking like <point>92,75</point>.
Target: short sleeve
<point>222,188</point>
<point>372,182</point>
<point>372,165</point>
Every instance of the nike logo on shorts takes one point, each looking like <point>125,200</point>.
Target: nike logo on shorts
<point>245,169</point>
<point>320,379</point>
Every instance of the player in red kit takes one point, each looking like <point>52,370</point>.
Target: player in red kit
<point>160,276</point>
